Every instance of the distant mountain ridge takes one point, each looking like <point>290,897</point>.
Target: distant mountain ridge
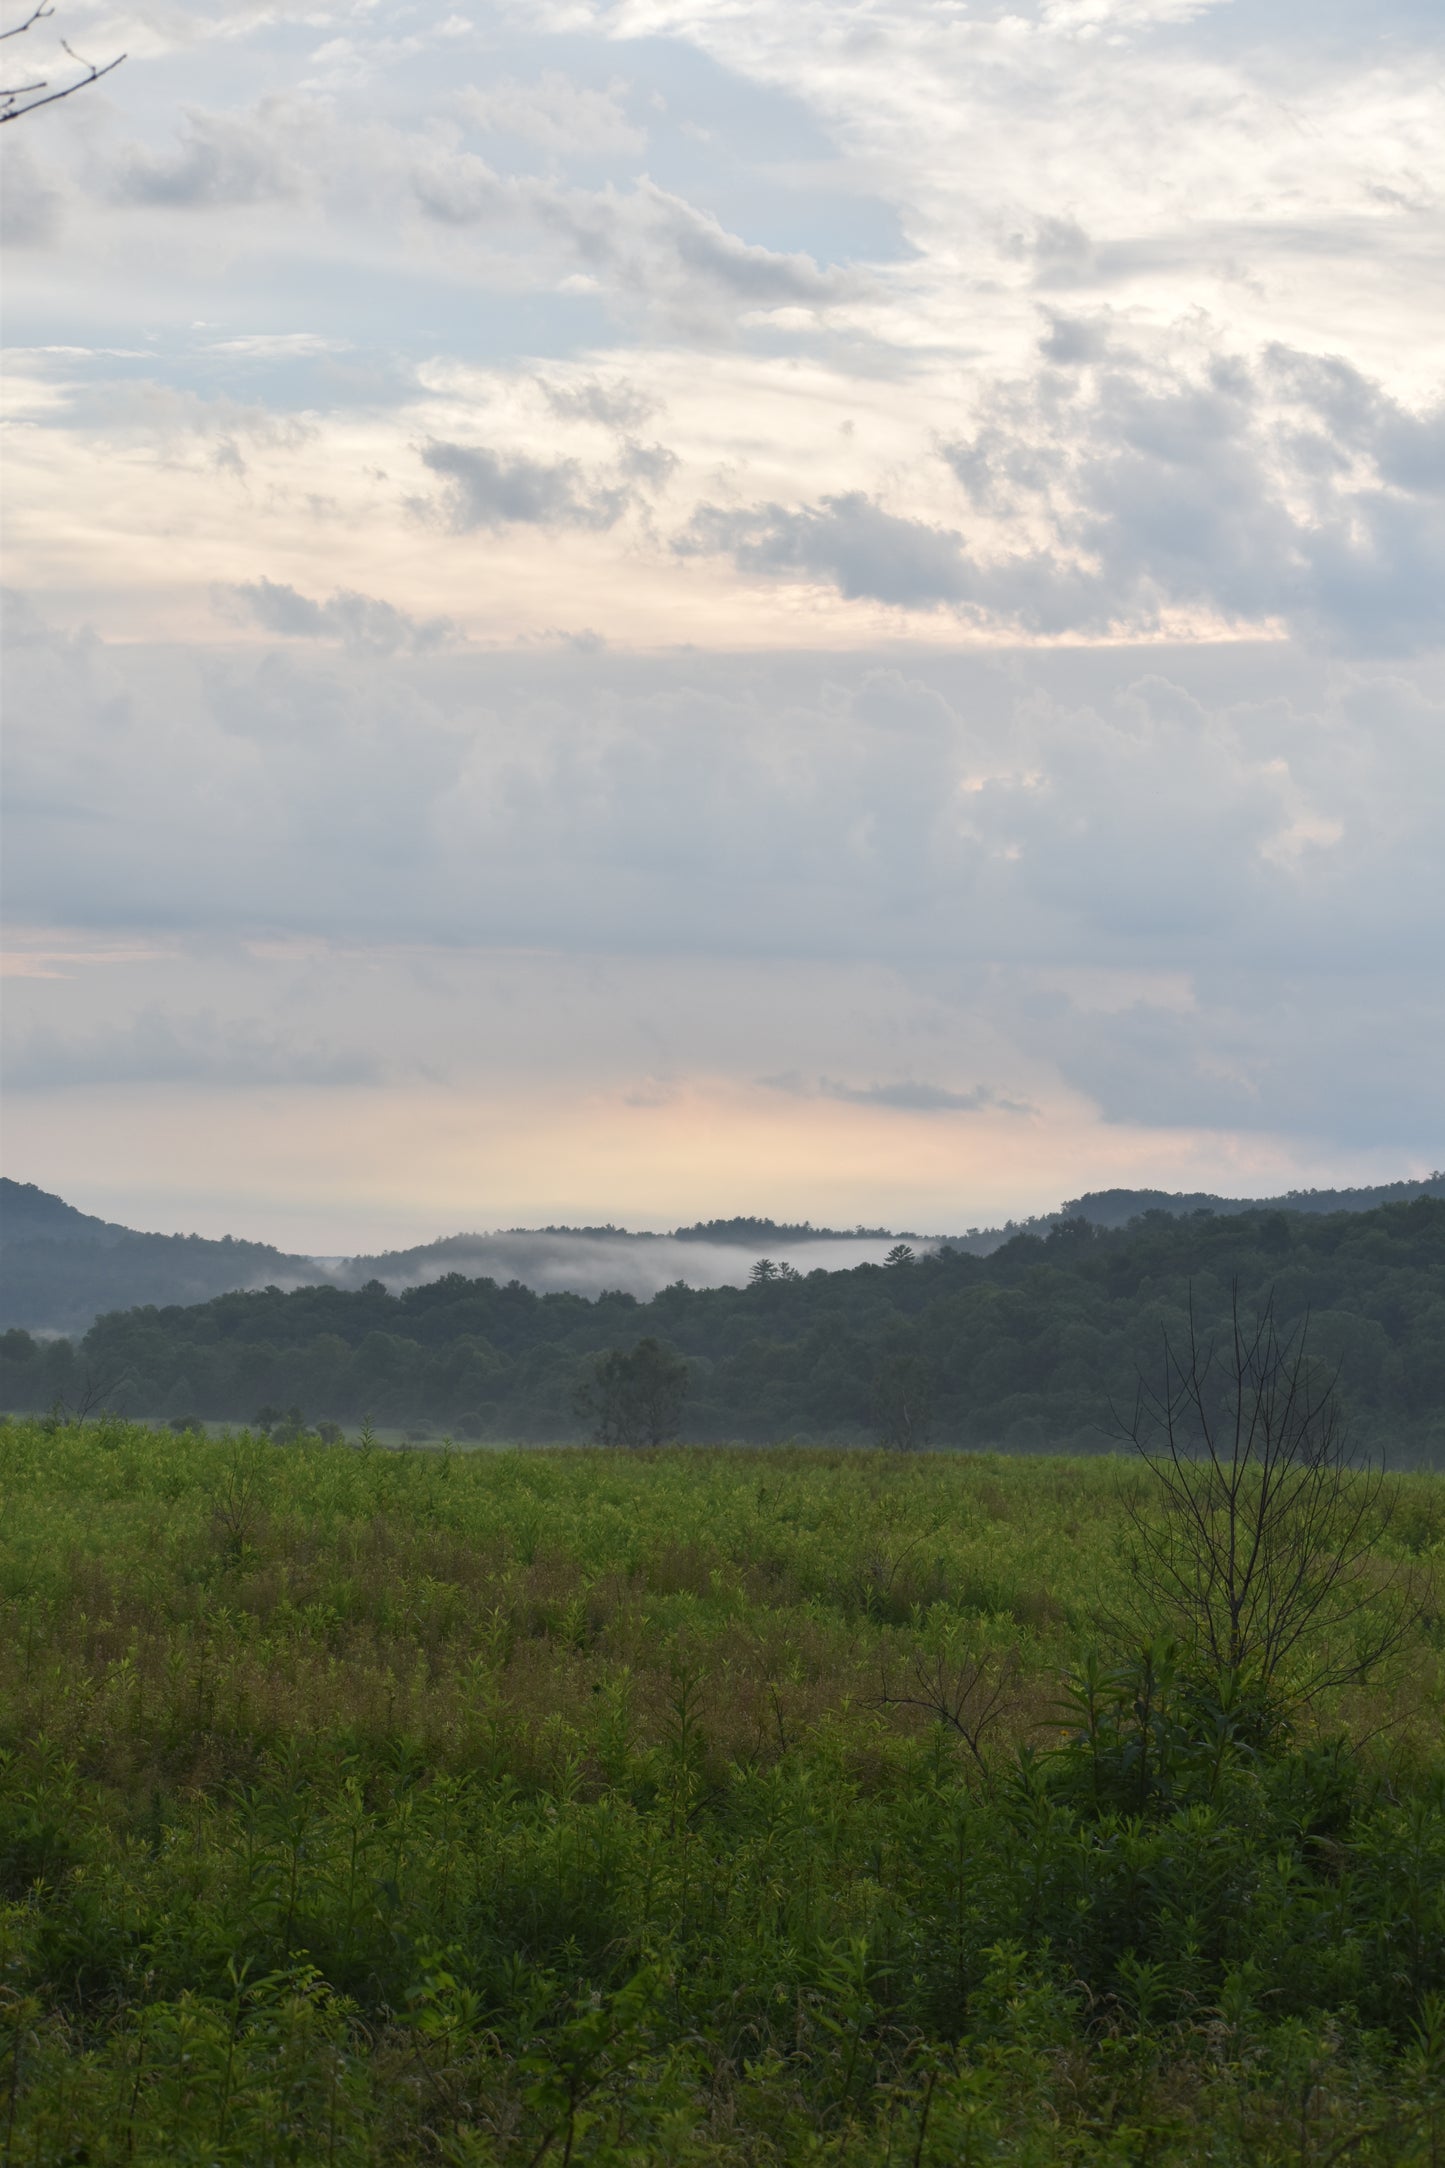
<point>60,1268</point>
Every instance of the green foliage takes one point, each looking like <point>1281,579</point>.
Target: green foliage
<point>523,1808</point>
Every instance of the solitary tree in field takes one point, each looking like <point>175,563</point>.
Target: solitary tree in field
<point>18,99</point>
<point>1256,1536</point>
<point>636,1398</point>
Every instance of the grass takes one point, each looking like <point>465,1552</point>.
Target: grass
<point>552,1807</point>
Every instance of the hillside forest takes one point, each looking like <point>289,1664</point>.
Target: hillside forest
<point>61,1268</point>
<point>1035,1346</point>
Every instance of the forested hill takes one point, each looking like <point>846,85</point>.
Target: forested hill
<point>1116,1207</point>
<point>1026,1348</point>
<point>60,1267</point>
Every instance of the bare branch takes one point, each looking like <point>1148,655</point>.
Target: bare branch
<point>968,1695</point>
<point>36,15</point>
<point>23,98</point>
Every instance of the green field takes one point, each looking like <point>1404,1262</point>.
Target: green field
<point>549,1807</point>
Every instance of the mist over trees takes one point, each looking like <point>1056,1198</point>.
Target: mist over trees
<point>60,1269</point>
<point>1032,1348</point>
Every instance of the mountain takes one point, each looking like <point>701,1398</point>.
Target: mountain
<point>60,1268</point>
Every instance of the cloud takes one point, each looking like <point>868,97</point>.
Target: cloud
<point>649,246</point>
<point>489,489</point>
<point>905,1097</point>
<point>1189,887</point>
<point>1056,327</point>
<point>613,404</point>
<point>847,541</point>
<point>648,243</point>
<point>910,1098</point>
<point>1285,488</point>
<point>31,203</point>
<point>667,236</point>
<point>221,159</point>
<point>557,114</point>
<point>362,622</point>
<point>197,1048</point>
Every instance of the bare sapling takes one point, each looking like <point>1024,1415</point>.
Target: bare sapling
<point>1256,1539</point>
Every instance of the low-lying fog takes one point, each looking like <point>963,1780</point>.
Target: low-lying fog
<point>590,1264</point>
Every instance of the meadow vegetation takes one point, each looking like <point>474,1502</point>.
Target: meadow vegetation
<point>541,1807</point>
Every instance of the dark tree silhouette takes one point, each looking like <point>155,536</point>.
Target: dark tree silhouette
<point>18,99</point>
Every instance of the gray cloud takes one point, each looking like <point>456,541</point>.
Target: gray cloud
<point>1289,487</point>
<point>363,622</point>
<point>906,1097</point>
<point>987,829</point>
<point>910,1098</point>
<point>650,466</point>
<point>367,622</point>
<point>489,489</point>
<point>667,234</point>
<point>221,158</point>
<point>847,541</point>
<point>651,243</point>
<point>614,405</point>
<point>1258,1049</point>
<point>157,1047</point>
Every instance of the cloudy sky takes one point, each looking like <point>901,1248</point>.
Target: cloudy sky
<point>639,610</point>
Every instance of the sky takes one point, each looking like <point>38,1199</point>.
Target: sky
<point>633,610</point>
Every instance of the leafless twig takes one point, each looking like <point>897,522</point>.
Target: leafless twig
<point>967,1694</point>
<point>22,98</point>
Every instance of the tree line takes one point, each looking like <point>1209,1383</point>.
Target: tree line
<point>1035,1347</point>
